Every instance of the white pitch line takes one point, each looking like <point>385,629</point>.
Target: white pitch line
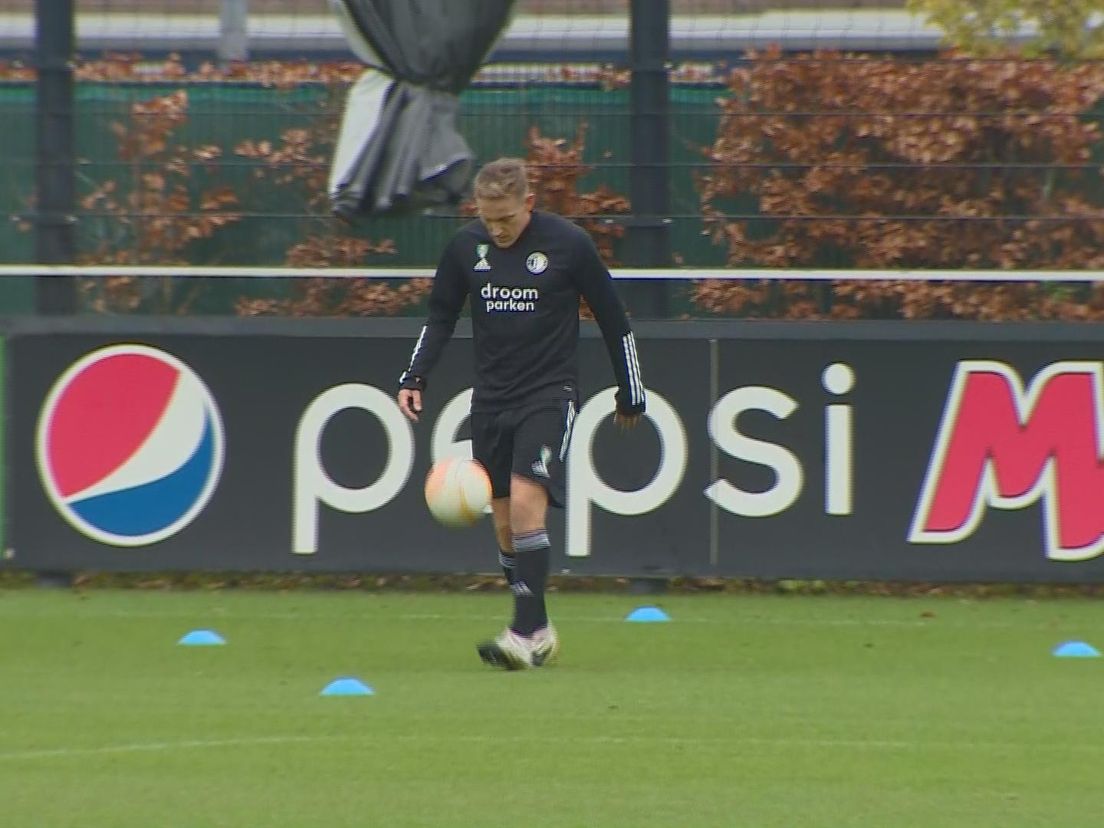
<point>758,742</point>
<point>787,743</point>
<point>154,747</point>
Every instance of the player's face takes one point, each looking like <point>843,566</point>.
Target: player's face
<point>505,218</point>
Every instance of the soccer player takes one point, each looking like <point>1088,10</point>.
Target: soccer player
<point>523,271</point>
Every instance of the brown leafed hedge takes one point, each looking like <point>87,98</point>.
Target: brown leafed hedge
<point>834,160</point>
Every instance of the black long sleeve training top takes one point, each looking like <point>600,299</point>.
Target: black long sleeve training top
<point>525,315</point>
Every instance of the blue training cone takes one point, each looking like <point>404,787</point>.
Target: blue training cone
<point>1076,649</point>
<point>347,687</point>
<point>647,614</point>
<point>202,638</point>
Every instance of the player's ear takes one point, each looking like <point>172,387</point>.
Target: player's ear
<point>530,200</point>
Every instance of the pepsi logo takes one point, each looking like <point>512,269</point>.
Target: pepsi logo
<point>129,445</point>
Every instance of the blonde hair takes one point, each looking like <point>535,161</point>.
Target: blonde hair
<point>502,178</point>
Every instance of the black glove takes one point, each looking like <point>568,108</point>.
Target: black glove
<point>624,407</point>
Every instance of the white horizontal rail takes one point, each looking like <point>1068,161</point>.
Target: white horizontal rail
<point>552,34</point>
<point>673,274</point>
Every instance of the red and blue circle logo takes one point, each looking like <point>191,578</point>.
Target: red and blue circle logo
<point>129,445</point>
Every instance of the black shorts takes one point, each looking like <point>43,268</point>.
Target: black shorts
<point>530,441</point>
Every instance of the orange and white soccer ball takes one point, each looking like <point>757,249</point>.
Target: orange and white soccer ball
<point>457,491</point>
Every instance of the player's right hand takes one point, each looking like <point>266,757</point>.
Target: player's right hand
<point>410,403</point>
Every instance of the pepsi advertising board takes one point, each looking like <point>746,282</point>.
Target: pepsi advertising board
<point>892,451</point>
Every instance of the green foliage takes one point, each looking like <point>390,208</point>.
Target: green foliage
<point>1066,28</point>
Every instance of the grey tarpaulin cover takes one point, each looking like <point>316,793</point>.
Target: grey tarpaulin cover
<point>398,146</point>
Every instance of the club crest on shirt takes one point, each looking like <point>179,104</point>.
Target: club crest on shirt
<point>537,263</point>
<point>481,250</point>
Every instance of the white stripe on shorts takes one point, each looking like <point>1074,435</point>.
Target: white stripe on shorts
<point>568,422</point>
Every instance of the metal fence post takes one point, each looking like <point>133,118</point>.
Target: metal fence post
<point>649,234</point>
<point>233,35</point>
<point>55,232</point>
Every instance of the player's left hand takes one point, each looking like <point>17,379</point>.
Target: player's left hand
<point>626,415</point>
<point>626,421</point>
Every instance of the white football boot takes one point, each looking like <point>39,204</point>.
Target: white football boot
<point>544,646</point>
<point>511,651</point>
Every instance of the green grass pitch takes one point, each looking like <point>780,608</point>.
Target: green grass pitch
<point>742,711</point>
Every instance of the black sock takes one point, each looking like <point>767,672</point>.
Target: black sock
<point>509,566</point>
<point>531,561</point>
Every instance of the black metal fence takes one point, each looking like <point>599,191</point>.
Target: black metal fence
<point>680,134</point>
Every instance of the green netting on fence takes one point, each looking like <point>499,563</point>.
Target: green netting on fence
<point>272,216</point>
